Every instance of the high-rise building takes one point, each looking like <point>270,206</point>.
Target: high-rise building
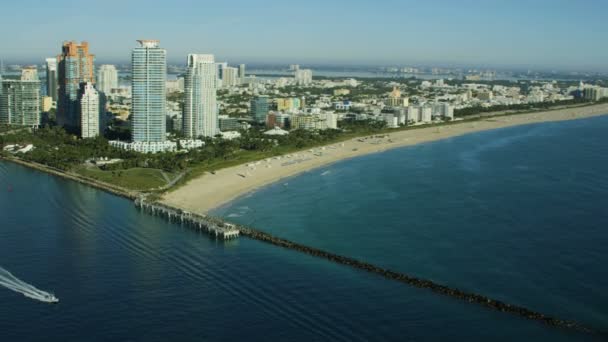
<point>107,78</point>
<point>200,107</point>
<point>242,73</point>
<point>303,77</point>
<point>230,77</point>
<point>75,66</point>
<point>259,108</point>
<point>149,73</point>
<point>29,74</point>
<point>20,100</point>
<point>51,78</point>
<point>395,99</point>
<point>220,73</point>
<point>90,110</point>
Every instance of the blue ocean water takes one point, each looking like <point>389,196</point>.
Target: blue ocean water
<point>518,214</point>
<point>514,214</point>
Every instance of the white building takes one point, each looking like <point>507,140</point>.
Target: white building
<point>107,78</point>
<point>191,144</point>
<point>200,107</point>
<point>426,113</point>
<point>146,146</point>
<point>413,114</point>
<point>90,109</point>
<point>303,77</point>
<point>230,77</point>
<point>444,110</point>
<point>331,120</point>
<point>392,121</point>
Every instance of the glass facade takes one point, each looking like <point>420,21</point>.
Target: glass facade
<point>149,70</point>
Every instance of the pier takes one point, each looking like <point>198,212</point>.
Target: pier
<point>214,227</point>
<point>221,229</point>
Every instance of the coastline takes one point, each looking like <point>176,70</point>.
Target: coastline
<point>77,178</point>
<point>211,191</point>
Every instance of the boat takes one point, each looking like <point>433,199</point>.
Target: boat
<point>47,297</point>
<point>50,298</point>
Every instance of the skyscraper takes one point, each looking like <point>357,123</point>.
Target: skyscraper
<point>90,110</point>
<point>230,77</point>
<point>259,108</point>
<point>20,100</point>
<point>107,78</point>
<point>220,73</point>
<point>200,109</point>
<point>303,77</point>
<point>51,78</point>
<point>76,65</point>
<point>149,73</point>
<point>242,73</point>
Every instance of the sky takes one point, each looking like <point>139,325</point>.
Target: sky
<point>556,34</point>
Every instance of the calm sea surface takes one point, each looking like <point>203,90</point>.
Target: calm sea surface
<point>518,214</point>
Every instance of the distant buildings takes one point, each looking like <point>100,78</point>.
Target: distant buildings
<point>595,93</point>
<point>242,73</point>
<point>75,66</point>
<point>91,108</point>
<point>20,100</point>
<point>230,77</point>
<point>149,70</point>
<point>227,123</point>
<point>51,78</point>
<point>314,121</point>
<point>259,108</point>
<point>288,104</point>
<point>395,99</point>
<point>200,109</point>
<point>303,77</point>
<point>107,78</point>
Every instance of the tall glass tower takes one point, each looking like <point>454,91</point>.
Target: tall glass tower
<point>76,65</point>
<point>200,109</point>
<point>149,72</point>
<point>51,78</point>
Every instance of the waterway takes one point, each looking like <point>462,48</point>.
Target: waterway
<point>515,214</point>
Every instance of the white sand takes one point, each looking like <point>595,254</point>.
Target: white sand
<point>210,191</point>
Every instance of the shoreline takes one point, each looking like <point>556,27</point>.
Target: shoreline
<point>213,191</point>
<point>77,178</point>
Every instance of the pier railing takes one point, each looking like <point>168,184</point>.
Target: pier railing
<point>213,226</point>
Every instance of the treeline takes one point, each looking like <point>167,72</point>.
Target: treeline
<point>516,107</point>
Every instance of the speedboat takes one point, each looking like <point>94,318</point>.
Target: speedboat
<point>50,298</point>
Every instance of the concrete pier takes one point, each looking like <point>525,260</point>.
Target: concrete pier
<point>212,226</point>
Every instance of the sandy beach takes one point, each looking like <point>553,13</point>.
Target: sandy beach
<point>213,190</point>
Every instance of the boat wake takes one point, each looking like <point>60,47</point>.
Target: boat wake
<point>8,280</point>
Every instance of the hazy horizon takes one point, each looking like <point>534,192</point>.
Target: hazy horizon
<point>546,35</point>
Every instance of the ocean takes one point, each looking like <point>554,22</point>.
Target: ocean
<point>517,214</point>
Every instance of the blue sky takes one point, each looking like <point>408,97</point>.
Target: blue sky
<point>541,33</point>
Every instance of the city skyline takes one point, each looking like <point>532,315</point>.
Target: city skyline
<point>390,32</point>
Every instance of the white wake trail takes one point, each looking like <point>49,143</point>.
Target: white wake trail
<point>8,280</point>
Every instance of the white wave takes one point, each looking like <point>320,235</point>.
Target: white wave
<point>8,280</point>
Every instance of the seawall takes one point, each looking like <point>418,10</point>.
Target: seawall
<point>114,190</point>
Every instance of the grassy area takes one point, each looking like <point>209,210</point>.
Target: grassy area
<point>134,179</point>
